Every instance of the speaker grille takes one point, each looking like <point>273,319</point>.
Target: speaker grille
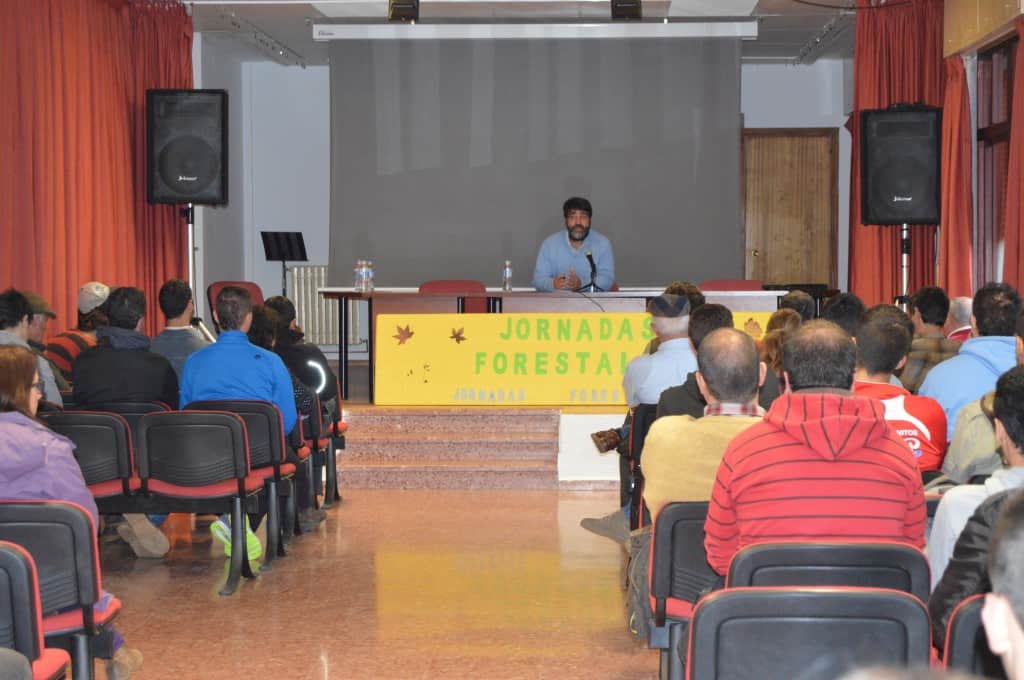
<point>900,180</point>
<point>186,145</point>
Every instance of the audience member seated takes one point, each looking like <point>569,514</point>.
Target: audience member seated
<point>966,572</point>
<point>178,339</point>
<point>882,345</point>
<point>682,453</point>
<point>800,302</point>
<point>234,368</point>
<point>822,465</point>
<point>929,310</point>
<point>960,502</point>
<point>1004,606</point>
<point>40,314</point>
<point>265,328</point>
<point>973,451</point>
<point>685,289</point>
<point>14,320</point>
<point>983,358</point>
<point>688,399</point>
<point>63,348</point>
<point>845,310</point>
<point>647,376</point>
<point>121,367</point>
<point>305,360</point>
<point>958,324</point>
<point>38,464</point>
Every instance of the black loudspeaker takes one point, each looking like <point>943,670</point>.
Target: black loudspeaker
<point>187,146</point>
<point>627,10</point>
<point>899,167</point>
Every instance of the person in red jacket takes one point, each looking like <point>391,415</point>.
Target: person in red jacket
<point>882,347</point>
<point>822,465</point>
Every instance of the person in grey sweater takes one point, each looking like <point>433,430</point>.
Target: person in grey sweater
<point>178,339</point>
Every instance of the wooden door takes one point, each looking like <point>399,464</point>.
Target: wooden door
<point>790,204</point>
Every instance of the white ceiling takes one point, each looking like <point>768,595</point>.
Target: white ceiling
<point>789,31</point>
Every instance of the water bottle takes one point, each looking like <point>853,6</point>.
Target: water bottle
<point>506,276</point>
<point>359,271</point>
<point>369,277</point>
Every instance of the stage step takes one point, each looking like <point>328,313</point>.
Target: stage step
<point>439,448</point>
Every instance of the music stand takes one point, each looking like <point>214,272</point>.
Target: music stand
<point>284,246</point>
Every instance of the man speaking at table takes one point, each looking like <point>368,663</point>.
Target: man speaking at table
<point>576,258</point>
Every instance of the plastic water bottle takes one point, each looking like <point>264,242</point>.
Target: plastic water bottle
<point>359,273</point>
<point>506,276</point>
<point>369,277</point>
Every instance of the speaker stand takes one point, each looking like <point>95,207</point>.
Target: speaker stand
<point>189,213</point>
<point>904,298</point>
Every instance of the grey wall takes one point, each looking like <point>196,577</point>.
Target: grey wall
<point>448,157</point>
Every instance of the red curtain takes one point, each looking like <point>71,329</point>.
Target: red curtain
<point>956,234</point>
<point>897,59</point>
<point>1013,222</point>
<point>72,117</point>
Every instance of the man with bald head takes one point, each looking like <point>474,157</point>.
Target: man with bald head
<point>822,465</point>
<point>682,453</point>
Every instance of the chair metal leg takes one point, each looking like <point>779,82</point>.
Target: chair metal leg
<point>318,469</point>
<point>81,658</point>
<point>287,492</point>
<point>273,525</point>
<point>311,495</point>
<point>238,549</point>
<point>676,632</point>
<point>331,492</point>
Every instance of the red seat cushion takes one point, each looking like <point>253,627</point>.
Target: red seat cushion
<point>303,453</point>
<point>229,487</point>
<point>675,609</point>
<point>113,488</point>
<point>70,621</point>
<point>51,664</point>
<point>340,427</point>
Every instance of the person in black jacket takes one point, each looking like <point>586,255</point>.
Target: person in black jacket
<point>120,367</point>
<point>967,571</point>
<point>304,360</point>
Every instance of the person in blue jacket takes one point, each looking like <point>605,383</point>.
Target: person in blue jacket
<point>990,352</point>
<point>564,260</point>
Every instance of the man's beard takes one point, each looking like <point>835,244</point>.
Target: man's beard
<point>582,237</point>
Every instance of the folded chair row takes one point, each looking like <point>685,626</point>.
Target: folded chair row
<point>789,609</point>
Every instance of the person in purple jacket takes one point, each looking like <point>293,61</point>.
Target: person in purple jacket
<point>39,464</point>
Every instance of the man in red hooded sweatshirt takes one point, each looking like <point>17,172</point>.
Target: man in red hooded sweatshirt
<point>822,465</point>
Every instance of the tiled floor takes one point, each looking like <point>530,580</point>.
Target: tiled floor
<point>395,584</point>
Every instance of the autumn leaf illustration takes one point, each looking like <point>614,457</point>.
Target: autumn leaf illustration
<point>403,334</point>
<point>457,335</point>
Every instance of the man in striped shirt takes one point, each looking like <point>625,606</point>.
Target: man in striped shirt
<point>822,465</point>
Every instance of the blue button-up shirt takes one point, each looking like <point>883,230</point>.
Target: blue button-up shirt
<point>557,256</point>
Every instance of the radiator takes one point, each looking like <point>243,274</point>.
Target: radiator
<point>317,315</point>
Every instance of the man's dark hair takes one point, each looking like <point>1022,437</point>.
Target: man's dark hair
<point>892,312</point>
<point>577,203</point>
<point>1006,555</point>
<point>264,326</point>
<point>125,307</point>
<point>13,308</point>
<point>800,302</point>
<point>284,308</point>
<point>846,311</point>
<point>93,319</point>
<point>706,319</point>
<point>996,308</point>
<point>174,297</point>
<point>819,354</point>
<point>1008,406</point>
<point>933,304</point>
<point>233,303</point>
<point>881,343</point>
<point>729,361</point>
<point>688,290</point>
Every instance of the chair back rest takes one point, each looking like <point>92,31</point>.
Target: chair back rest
<point>898,566</point>
<point>61,538</point>
<point>20,620</point>
<point>192,448</point>
<point>966,645</point>
<point>805,633</point>
<point>214,289</point>
<point>103,443</point>
<point>131,411</point>
<point>731,284</point>
<point>473,305</point>
<point>679,563</point>
<point>263,427</point>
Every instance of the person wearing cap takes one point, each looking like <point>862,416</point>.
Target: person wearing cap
<point>178,340</point>
<point>63,348</point>
<point>564,259</point>
<point>15,315</point>
<point>40,315</point>
<point>304,360</point>
<point>649,375</point>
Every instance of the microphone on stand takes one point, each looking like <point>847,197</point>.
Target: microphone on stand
<point>593,270</point>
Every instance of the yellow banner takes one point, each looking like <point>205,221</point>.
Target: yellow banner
<point>568,359</point>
